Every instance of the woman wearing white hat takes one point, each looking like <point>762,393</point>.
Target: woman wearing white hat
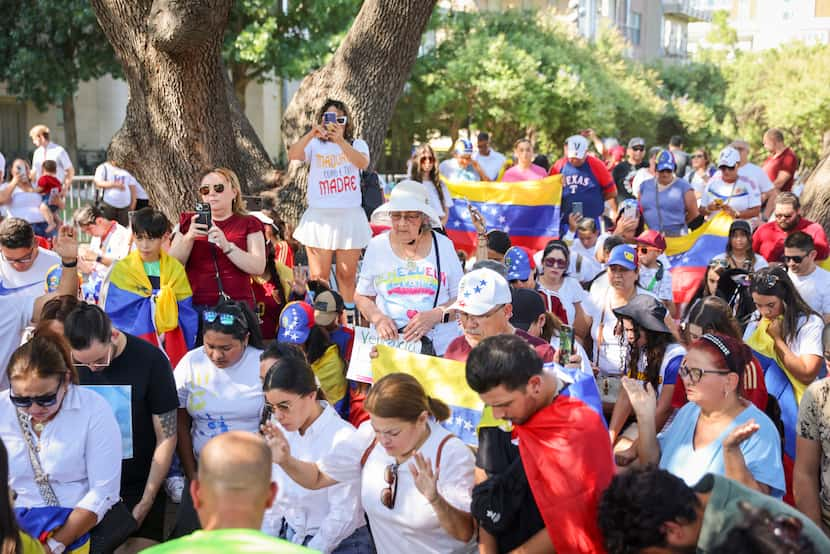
<point>411,273</point>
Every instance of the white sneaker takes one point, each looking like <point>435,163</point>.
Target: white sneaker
<point>174,486</point>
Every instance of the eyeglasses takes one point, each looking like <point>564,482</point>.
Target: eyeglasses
<point>638,148</point>
<point>695,374</point>
<point>555,262</point>
<point>725,167</point>
<point>218,188</point>
<point>695,156</point>
<point>464,316</point>
<point>795,259</point>
<point>645,250</point>
<point>284,407</point>
<point>99,363</point>
<point>388,494</point>
<point>24,260</point>
<point>410,217</point>
<point>428,158</point>
<point>44,400</point>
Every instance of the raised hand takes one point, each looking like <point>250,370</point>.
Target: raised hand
<point>280,449</point>
<point>740,433</point>
<point>643,399</point>
<point>426,481</point>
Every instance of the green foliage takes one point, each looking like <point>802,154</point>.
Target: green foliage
<point>262,39</point>
<point>49,47</point>
<point>519,72</point>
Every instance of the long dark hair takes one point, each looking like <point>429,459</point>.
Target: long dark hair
<point>9,530</point>
<point>750,252</point>
<point>273,274</point>
<point>416,174</point>
<point>317,343</point>
<point>654,350</point>
<point>348,132</point>
<point>774,281</point>
<point>701,292</point>
<point>713,315</point>
<point>292,374</point>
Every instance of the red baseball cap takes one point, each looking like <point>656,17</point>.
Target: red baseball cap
<point>652,238</point>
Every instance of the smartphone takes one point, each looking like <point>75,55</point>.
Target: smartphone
<point>329,118</point>
<point>630,211</point>
<point>203,212</point>
<point>576,208</point>
<point>566,340</point>
<point>21,171</point>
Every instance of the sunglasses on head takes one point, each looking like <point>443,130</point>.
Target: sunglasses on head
<point>388,494</point>
<point>555,262</point>
<point>44,400</point>
<point>765,282</point>
<point>224,318</point>
<point>218,188</point>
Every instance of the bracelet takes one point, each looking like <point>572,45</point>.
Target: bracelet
<point>230,249</point>
<point>70,264</point>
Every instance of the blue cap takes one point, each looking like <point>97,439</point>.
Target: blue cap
<point>624,255</point>
<point>665,160</point>
<point>518,264</point>
<point>463,147</point>
<point>296,321</point>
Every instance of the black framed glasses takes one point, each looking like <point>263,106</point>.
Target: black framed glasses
<point>44,400</point>
<point>638,148</point>
<point>390,492</point>
<point>218,188</point>
<point>695,374</point>
<point>725,167</point>
<point>24,260</point>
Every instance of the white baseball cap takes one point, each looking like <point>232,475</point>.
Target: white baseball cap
<point>729,157</point>
<point>480,291</point>
<point>577,146</point>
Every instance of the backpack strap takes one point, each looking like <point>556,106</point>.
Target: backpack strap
<point>441,450</point>
<point>367,452</point>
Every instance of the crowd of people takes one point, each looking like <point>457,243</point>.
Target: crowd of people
<point>202,363</point>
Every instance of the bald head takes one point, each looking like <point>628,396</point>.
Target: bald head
<point>234,486</point>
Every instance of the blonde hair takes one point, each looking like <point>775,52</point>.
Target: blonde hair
<point>237,205</point>
<point>39,130</point>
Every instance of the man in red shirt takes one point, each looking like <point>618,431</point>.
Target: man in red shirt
<point>768,240</point>
<point>780,167</point>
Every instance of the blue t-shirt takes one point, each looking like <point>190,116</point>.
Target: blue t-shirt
<point>579,184</point>
<point>762,450</point>
<point>672,216</point>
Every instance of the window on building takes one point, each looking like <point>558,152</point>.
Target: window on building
<point>634,22</point>
<point>822,8</point>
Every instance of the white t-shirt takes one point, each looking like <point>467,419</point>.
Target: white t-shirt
<point>570,293</point>
<point>116,198</point>
<point>435,200</point>
<point>757,176</point>
<point>219,400</point>
<point>29,282</point>
<point>116,245</point>
<point>140,193</point>
<point>25,205</point>
<point>586,259</point>
<point>740,195</point>
<point>643,174</point>
<point>814,289</point>
<point>609,352</point>
<point>15,315</point>
<point>491,163</point>
<point>54,152</point>
<point>648,279</point>
<point>403,288</point>
<point>806,341</point>
<point>333,181</point>
<point>412,524</point>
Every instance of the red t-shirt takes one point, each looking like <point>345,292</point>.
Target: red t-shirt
<point>785,161</point>
<point>269,304</point>
<point>459,348</point>
<point>48,182</point>
<point>201,271</point>
<point>768,239</point>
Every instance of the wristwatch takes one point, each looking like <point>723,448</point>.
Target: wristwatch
<point>55,546</point>
<point>98,258</point>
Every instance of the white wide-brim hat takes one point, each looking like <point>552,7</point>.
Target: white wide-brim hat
<point>407,196</point>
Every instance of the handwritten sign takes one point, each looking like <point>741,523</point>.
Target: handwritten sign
<point>360,367</point>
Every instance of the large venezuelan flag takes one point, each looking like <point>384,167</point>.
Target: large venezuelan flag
<point>528,211</point>
<point>690,255</point>
<point>134,309</point>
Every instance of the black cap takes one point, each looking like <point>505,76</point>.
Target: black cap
<point>527,307</point>
<point>647,311</point>
<point>740,225</point>
<point>499,241</point>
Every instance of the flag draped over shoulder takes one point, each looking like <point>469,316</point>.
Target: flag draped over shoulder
<point>690,255</point>
<point>135,309</point>
<point>566,454</point>
<point>442,379</point>
<point>528,211</point>
<point>786,389</point>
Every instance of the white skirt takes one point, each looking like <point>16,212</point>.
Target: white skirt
<point>334,229</point>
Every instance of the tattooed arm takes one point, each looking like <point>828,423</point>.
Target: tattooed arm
<point>165,428</point>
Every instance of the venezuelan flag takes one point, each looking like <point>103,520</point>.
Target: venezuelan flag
<point>442,379</point>
<point>135,308</point>
<point>528,211</point>
<point>41,523</point>
<point>690,255</point>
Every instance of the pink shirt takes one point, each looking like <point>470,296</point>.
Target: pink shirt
<point>516,173</point>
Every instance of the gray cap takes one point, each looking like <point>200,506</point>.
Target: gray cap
<point>647,311</point>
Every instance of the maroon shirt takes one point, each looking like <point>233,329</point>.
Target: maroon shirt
<point>768,239</point>
<point>459,348</point>
<point>785,161</point>
<point>201,271</point>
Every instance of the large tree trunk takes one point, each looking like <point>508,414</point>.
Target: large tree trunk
<point>182,116</point>
<point>815,199</point>
<point>70,128</point>
<point>240,79</point>
<point>367,72</point>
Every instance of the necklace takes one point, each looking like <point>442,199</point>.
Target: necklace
<point>410,258</point>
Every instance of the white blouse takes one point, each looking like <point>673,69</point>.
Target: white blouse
<point>412,524</point>
<point>80,451</point>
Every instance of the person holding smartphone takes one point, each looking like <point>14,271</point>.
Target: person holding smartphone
<point>334,223</point>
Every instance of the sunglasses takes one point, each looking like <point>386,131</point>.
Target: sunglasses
<point>23,260</point>
<point>638,148</point>
<point>695,156</point>
<point>695,374</point>
<point>44,400</point>
<point>765,282</point>
<point>224,318</point>
<point>410,217</point>
<point>795,259</point>
<point>388,494</point>
<point>428,158</point>
<point>645,250</point>
<point>725,167</point>
<point>555,262</point>
<point>218,188</point>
